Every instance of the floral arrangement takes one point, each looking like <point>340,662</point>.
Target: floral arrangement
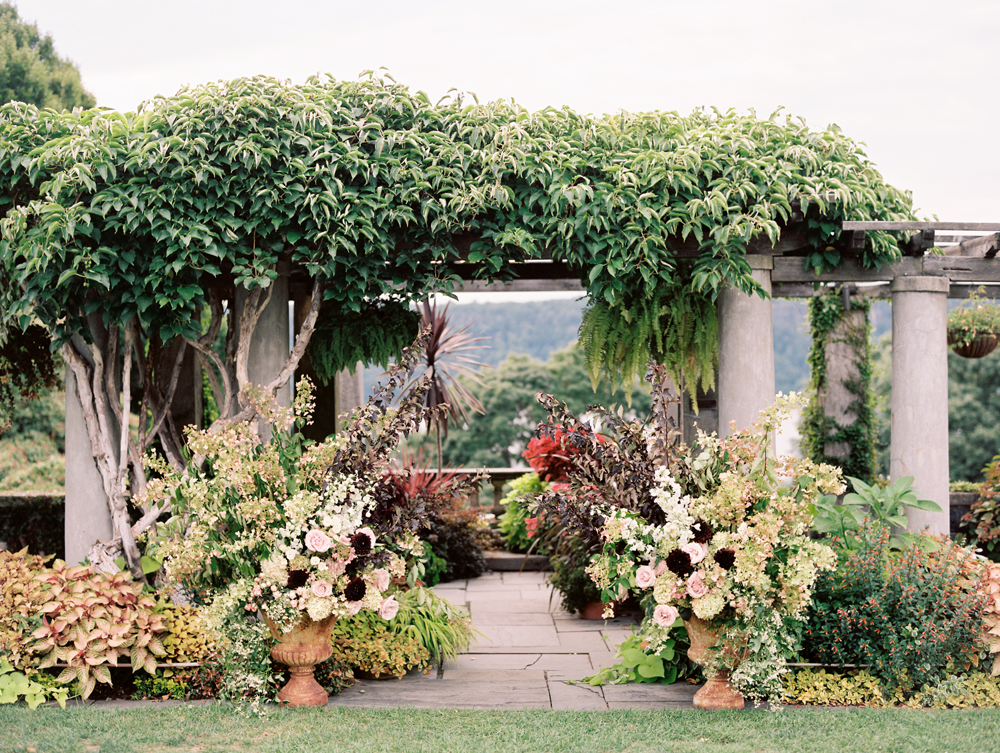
<point>269,534</point>
<point>975,317</point>
<point>720,534</point>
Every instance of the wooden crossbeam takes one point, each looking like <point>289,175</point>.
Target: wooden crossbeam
<point>984,247</point>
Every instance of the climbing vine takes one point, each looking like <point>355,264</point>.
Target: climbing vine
<point>817,430</point>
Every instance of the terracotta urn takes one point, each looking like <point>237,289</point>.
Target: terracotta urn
<point>717,692</point>
<point>301,649</point>
<point>593,610</point>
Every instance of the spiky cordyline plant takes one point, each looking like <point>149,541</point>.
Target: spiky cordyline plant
<point>445,359</point>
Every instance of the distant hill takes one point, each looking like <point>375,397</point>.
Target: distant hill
<point>540,328</point>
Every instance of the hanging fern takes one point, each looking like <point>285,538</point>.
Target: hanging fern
<point>677,330</point>
<point>377,334</point>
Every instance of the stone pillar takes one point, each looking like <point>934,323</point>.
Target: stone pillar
<point>88,516</point>
<point>919,431</point>
<point>836,399</point>
<point>269,347</point>
<point>350,392</point>
<point>746,351</point>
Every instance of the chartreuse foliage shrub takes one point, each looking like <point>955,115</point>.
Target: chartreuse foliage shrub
<point>859,687</point>
<point>518,532</point>
<point>370,184</point>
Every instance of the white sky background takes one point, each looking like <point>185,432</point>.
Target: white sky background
<point>916,81</point>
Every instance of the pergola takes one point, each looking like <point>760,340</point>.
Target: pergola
<point>918,285</point>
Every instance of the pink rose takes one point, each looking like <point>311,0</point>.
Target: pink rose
<point>353,607</point>
<point>317,541</point>
<point>322,588</point>
<point>645,576</point>
<point>665,615</point>
<point>388,608</point>
<point>696,587</point>
<point>381,578</point>
<point>661,568</point>
<point>697,552</point>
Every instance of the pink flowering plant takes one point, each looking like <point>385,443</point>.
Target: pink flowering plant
<point>720,533</point>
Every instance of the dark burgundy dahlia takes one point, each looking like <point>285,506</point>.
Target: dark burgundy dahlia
<point>679,562</point>
<point>355,589</point>
<point>726,558</point>
<point>297,578</point>
<point>361,542</point>
<point>702,531</point>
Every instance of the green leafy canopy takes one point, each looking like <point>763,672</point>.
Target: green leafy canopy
<point>368,185</point>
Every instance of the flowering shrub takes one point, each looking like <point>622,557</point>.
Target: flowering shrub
<point>911,618</point>
<point>721,533</point>
<point>985,512</point>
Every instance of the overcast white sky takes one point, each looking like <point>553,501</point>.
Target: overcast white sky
<point>917,81</point>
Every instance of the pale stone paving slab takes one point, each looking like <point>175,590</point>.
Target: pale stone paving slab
<point>574,695</point>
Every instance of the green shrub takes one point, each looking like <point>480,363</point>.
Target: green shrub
<point>367,643</point>
<point>907,617</point>
<point>442,628</point>
<point>572,555</point>
<point>519,534</point>
<point>666,665</point>
<point>455,536</point>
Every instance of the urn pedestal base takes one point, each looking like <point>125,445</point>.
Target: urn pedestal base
<point>301,649</point>
<point>717,692</point>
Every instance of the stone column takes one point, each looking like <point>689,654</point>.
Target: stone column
<point>88,518</point>
<point>919,438</point>
<point>350,392</point>
<point>746,351</point>
<point>269,347</point>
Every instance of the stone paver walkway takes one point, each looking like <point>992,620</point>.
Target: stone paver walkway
<point>528,652</point>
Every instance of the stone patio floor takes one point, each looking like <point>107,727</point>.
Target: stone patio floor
<point>528,653</point>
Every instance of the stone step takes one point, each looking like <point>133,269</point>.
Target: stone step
<point>500,561</point>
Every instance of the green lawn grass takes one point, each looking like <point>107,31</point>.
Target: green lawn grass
<point>213,728</point>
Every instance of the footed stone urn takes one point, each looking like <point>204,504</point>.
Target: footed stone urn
<point>301,649</point>
<point>717,692</point>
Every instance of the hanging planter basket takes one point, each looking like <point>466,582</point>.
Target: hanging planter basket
<point>982,346</point>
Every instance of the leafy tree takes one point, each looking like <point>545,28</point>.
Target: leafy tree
<point>30,69</point>
<point>973,410</point>
<point>973,414</point>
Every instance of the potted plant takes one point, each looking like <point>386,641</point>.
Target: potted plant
<point>974,326</point>
<point>283,538</point>
<point>716,536</point>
